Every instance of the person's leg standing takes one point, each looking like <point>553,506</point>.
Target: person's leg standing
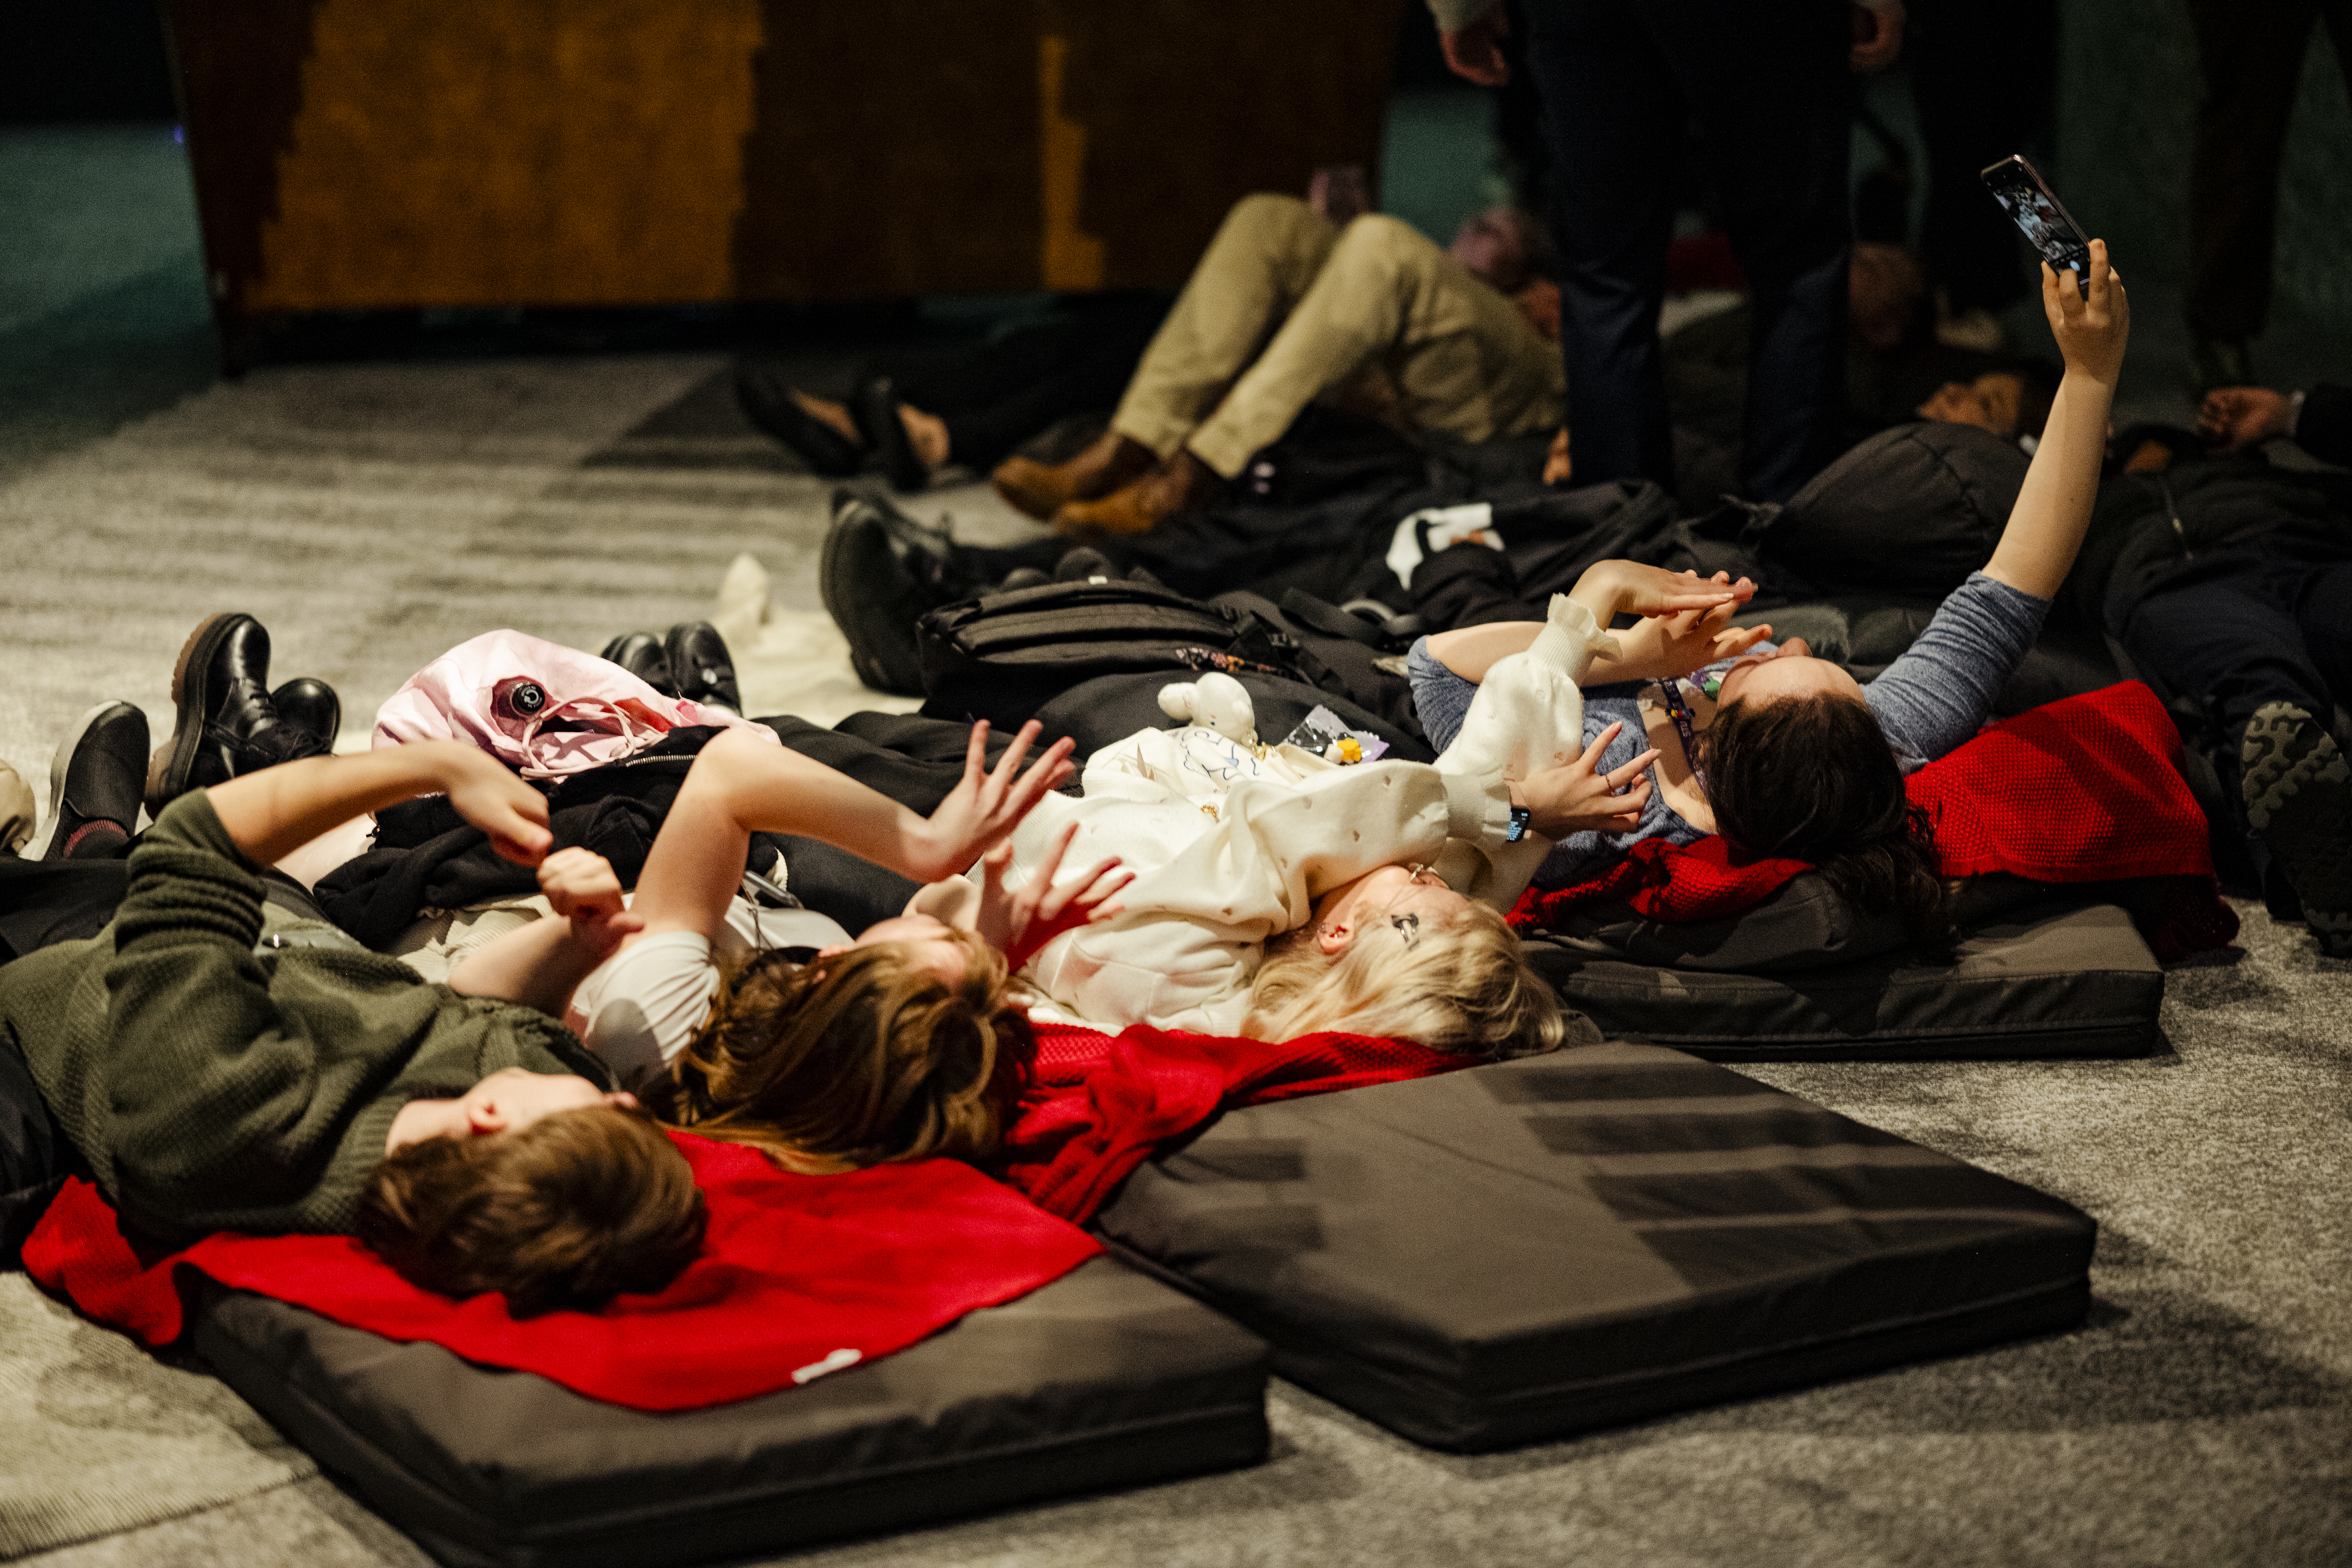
<point>1773,94</point>
<point>2251,54</point>
<point>1982,72</point>
<point>1616,121</point>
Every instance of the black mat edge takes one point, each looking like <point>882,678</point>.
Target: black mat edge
<point>1451,1423</point>
<point>1197,1442</point>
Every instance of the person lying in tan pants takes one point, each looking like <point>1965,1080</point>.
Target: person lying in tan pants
<point>1287,306</point>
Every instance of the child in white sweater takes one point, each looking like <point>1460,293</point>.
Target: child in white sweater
<point>1277,893</point>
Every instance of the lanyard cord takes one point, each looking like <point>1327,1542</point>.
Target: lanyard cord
<point>1679,711</point>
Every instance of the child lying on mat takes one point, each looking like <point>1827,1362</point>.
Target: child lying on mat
<point>217,1077</point>
<point>1787,755</point>
<point>222,1067</point>
<point>903,1044</point>
<point>1364,897</point>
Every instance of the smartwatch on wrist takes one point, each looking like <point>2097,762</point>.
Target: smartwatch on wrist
<point>1520,817</point>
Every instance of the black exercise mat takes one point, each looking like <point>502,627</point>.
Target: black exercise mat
<point>2050,979</point>
<point>1103,1378</point>
<point>1524,1250</point>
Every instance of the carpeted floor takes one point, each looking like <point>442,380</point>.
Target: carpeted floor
<point>372,515</point>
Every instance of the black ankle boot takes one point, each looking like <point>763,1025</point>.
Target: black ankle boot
<point>95,779</point>
<point>309,704</point>
<point>703,668</point>
<point>227,725</point>
<point>642,655</point>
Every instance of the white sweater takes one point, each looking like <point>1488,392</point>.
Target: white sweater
<point>1230,847</point>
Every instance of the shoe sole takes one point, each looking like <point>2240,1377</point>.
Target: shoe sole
<point>2302,806</point>
<point>168,769</point>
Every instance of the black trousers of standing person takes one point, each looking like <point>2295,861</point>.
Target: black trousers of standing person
<point>1983,73</point>
<point>2250,52</point>
<point>1767,83</point>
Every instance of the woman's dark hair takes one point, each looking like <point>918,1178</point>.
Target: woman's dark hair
<point>860,1058</point>
<point>1811,778</point>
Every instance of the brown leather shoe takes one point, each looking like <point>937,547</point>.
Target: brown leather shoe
<point>1041,490</point>
<point>1181,483</point>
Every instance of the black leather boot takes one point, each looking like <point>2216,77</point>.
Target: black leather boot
<point>227,725</point>
<point>309,704</point>
<point>642,654</point>
<point>703,668</point>
<point>95,781</point>
<point>878,572</point>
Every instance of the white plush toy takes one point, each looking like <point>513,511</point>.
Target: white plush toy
<point>1216,701</point>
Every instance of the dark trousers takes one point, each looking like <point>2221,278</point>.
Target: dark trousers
<point>1982,73</point>
<point>1766,82</point>
<point>2250,52</point>
<point>2244,627</point>
<point>1007,390</point>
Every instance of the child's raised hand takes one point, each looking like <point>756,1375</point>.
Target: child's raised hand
<point>580,887</point>
<point>985,806</point>
<point>1019,924</point>
<point>1581,799</point>
<point>2091,332</point>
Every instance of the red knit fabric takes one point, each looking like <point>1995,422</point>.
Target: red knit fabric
<point>1100,1104</point>
<point>2086,789</point>
<point>799,1276</point>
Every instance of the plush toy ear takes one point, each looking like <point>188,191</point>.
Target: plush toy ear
<point>1224,704</point>
<point>1177,700</point>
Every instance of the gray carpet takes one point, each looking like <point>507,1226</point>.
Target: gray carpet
<point>372,515</point>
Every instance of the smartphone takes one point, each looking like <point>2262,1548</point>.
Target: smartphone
<point>2020,188</point>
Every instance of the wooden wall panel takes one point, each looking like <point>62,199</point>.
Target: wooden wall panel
<point>526,152</point>
<point>392,153</point>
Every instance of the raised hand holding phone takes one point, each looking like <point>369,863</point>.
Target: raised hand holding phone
<point>2036,210</point>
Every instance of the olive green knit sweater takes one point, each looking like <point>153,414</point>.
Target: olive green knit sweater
<point>212,1088</point>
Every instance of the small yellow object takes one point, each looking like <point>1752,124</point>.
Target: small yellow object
<point>1349,751</point>
<point>1209,811</point>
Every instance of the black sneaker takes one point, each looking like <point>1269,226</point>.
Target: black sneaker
<point>2298,792</point>
<point>309,704</point>
<point>703,668</point>
<point>98,777</point>
<point>227,725</point>
<point>642,655</point>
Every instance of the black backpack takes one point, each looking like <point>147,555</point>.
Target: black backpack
<point>1001,656</point>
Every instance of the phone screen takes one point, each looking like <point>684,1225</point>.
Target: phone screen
<point>2050,228</point>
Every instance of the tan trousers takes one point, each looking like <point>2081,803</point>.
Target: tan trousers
<point>1284,308</point>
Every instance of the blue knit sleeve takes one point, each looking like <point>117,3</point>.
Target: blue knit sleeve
<point>1439,695</point>
<point>1942,688</point>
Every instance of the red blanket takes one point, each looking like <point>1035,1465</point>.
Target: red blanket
<point>800,1276</point>
<point>1101,1105</point>
<point>2082,790</point>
